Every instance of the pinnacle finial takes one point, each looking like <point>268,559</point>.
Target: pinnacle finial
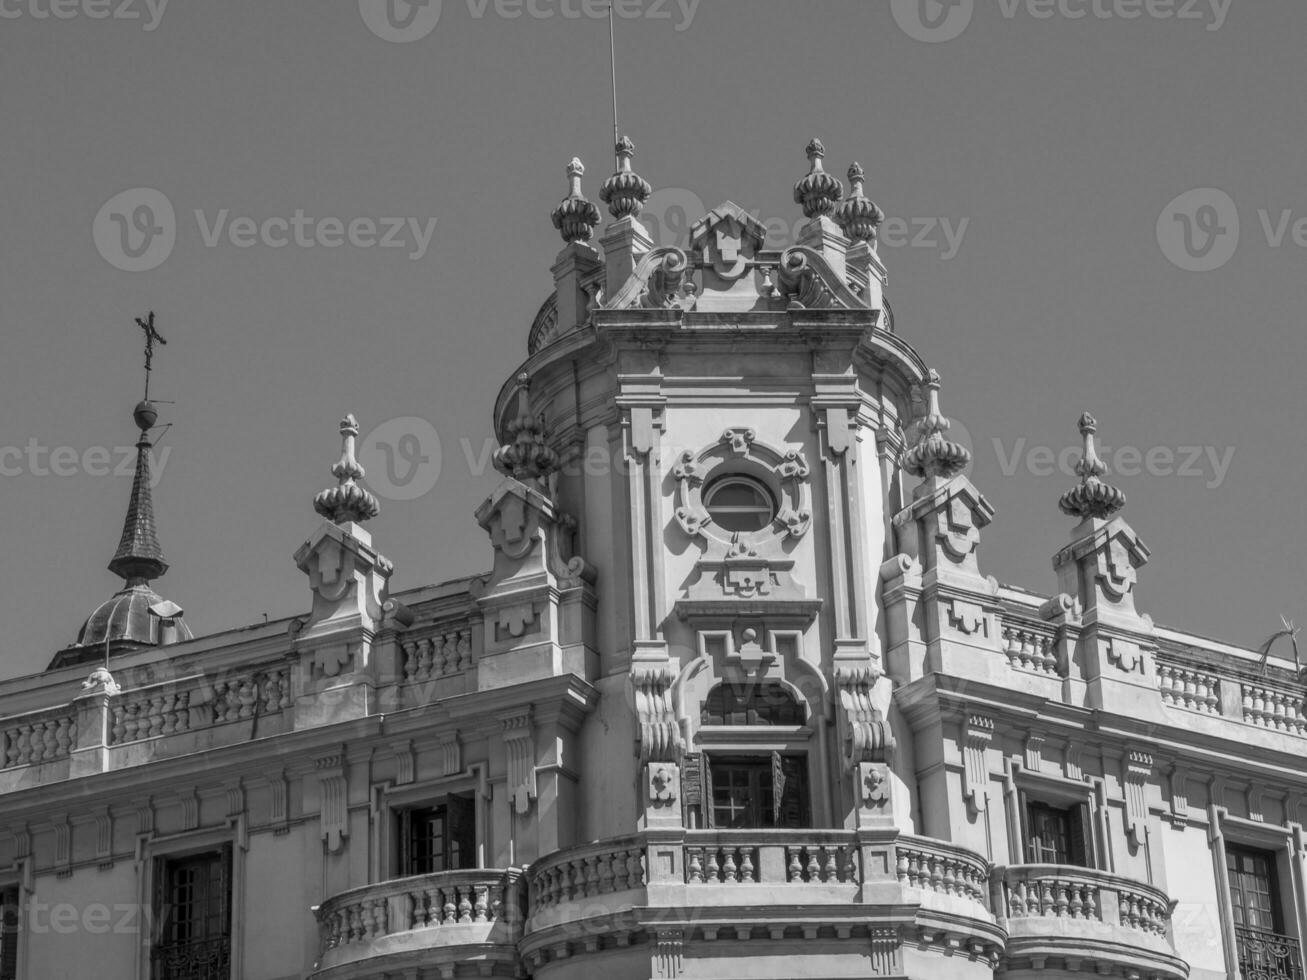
<point>525,454</point>
<point>625,192</point>
<point>347,502</point>
<point>1092,497</point>
<point>933,455</point>
<point>574,216</point>
<point>859,216</point>
<point>818,191</point>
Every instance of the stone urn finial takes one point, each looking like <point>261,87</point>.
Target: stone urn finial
<point>817,191</point>
<point>625,192</point>
<point>347,502</point>
<point>574,216</point>
<point>932,455</point>
<point>859,216</point>
<point>1092,498</point>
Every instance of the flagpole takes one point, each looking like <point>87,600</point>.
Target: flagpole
<point>612,60</point>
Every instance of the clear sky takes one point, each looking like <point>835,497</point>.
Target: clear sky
<point>1030,150</point>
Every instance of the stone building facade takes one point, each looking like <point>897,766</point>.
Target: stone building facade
<point>734,700</point>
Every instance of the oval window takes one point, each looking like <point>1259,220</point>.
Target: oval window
<point>739,504</point>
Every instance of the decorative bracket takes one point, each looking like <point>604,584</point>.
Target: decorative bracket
<point>1138,767</point>
<point>977,734</point>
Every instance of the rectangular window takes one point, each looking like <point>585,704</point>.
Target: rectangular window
<point>10,930</point>
<point>757,791</point>
<point>1057,835</point>
<point>437,838</point>
<point>1264,950</point>
<point>193,912</point>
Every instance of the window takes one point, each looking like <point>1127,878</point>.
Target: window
<point>757,791</point>
<point>1057,835</point>
<point>437,838</point>
<point>739,504</point>
<point>10,928</point>
<point>762,703</point>
<point>193,909</point>
<point>1264,951</point>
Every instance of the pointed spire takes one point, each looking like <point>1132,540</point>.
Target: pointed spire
<point>859,216</point>
<point>818,191</point>
<point>933,455</point>
<point>1092,498</point>
<point>139,557</point>
<point>625,192</point>
<point>347,502</point>
<point>575,217</point>
<point>526,455</point>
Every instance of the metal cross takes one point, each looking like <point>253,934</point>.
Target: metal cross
<point>151,335</point>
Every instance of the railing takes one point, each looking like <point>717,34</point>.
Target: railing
<point>446,651</point>
<point>1267,955</point>
<point>730,857</point>
<point>1274,708</point>
<point>585,873</point>
<point>205,959</point>
<point>433,901</point>
<point>940,867</point>
<point>39,737</point>
<point>1048,891</point>
<point>1029,649</point>
<point>1191,689</point>
<point>194,703</point>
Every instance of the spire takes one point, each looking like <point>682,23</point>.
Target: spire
<point>575,217</point>
<point>859,216</point>
<point>625,192</point>
<point>933,455</point>
<point>347,502</point>
<point>1092,498</point>
<point>526,456</point>
<point>139,558</point>
<point>818,191</point>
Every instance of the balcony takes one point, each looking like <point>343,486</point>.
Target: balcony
<point>443,918</point>
<point>1267,955</point>
<point>753,893</point>
<point>1081,920</point>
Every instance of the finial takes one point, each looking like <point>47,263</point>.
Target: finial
<point>625,191</point>
<point>817,191</point>
<point>1092,498</point>
<point>526,455</point>
<point>347,502</point>
<point>859,216</point>
<point>933,455</point>
<point>575,217</point>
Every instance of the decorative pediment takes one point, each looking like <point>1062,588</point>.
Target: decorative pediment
<point>728,237</point>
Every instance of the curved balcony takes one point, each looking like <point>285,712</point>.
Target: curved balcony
<point>1082,920</point>
<point>428,920</point>
<point>904,897</point>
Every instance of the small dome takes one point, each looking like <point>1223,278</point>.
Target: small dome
<point>126,618</point>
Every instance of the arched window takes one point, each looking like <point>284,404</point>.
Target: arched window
<point>761,703</point>
<point>739,504</point>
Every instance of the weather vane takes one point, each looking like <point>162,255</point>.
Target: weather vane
<point>151,335</point>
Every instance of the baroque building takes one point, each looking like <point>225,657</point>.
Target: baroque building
<point>735,698</point>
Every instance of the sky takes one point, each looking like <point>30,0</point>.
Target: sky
<point>1094,205</point>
